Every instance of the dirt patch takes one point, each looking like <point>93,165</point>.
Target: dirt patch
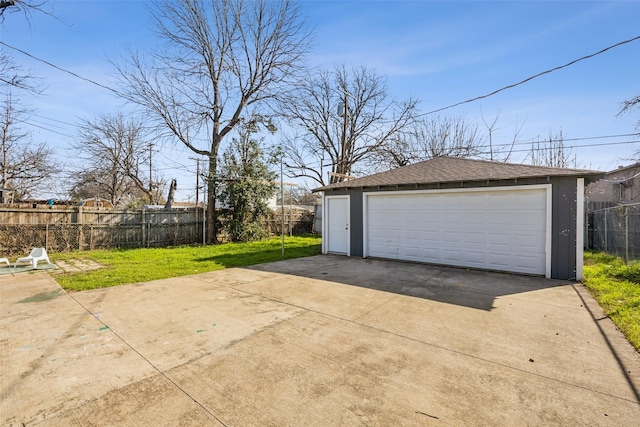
<point>76,265</point>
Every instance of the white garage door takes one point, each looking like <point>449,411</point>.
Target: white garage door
<point>499,229</point>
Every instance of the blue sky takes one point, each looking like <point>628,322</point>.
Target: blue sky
<point>439,52</point>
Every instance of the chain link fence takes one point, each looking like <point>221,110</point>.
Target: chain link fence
<point>16,239</point>
<point>19,239</point>
<point>616,231</point>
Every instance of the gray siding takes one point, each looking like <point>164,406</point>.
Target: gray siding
<point>563,228</point>
<point>357,226</point>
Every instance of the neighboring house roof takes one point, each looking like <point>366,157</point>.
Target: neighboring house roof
<point>618,186</point>
<point>453,169</point>
<point>622,169</point>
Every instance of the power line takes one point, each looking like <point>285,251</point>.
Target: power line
<point>419,115</point>
<point>586,138</point>
<point>526,150</point>
<point>59,68</point>
<point>44,123</point>
<point>53,120</point>
<point>48,130</point>
<point>511,86</point>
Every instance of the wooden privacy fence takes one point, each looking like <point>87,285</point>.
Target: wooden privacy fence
<point>72,229</point>
<point>63,230</point>
<point>295,222</point>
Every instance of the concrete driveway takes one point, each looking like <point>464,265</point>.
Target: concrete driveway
<point>324,340</point>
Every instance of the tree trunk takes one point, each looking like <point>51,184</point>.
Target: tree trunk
<point>212,216</point>
<point>172,191</point>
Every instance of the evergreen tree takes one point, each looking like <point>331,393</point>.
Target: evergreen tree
<point>247,185</point>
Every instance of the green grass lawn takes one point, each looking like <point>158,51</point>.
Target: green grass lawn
<point>123,266</point>
<point>616,287</point>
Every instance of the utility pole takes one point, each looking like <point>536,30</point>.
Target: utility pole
<point>151,174</point>
<point>197,178</point>
<point>3,184</point>
<point>344,135</point>
<point>198,197</point>
<point>4,164</point>
<point>282,199</point>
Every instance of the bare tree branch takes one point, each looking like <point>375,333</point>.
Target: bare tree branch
<point>114,155</point>
<point>436,137</point>
<point>344,118</point>
<point>26,7</point>
<point>13,76</point>
<point>629,105</point>
<point>24,165</point>
<point>551,152</point>
<point>219,58</point>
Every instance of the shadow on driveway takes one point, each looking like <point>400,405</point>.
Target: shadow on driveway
<point>459,286</point>
<point>462,287</point>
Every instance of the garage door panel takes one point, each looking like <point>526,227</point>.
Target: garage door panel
<point>453,218</point>
<point>452,237</point>
<point>432,235</point>
<point>502,230</point>
<point>476,238</point>
<point>475,220</point>
<point>413,251</point>
<point>500,218</point>
<point>527,264</point>
<point>452,255</point>
<point>412,217</point>
<point>500,260</point>
<point>499,240</point>
<point>431,254</point>
<point>477,258</point>
<point>528,219</point>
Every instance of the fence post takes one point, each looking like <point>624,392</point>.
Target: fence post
<point>626,234</point>
<point>80,222</point>
<point>142,236</point>
<point>46,237</point>
<point>606,228</point>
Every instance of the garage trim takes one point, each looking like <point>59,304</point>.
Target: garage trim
<point>580,226</point>
<point>548,210</point>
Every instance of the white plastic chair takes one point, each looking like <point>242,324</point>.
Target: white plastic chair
<point>36,254</point>
<point>4,261</point>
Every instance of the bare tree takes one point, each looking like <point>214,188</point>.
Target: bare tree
<point>551,152</point>
<point>629,105</point>
<point>115,154</point>
<point>344,117</point>
<point>220,57</point>
<point>11,73</point>
<point>24,166</point>
<point>626,107</point>
<point>26,7</point>
<point>14,76</point>
<point>435,137</point>
<point>491,130</point>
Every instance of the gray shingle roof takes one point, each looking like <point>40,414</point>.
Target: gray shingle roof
<point>452,169</point>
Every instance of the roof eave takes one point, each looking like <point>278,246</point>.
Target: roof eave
<point>590,176</point>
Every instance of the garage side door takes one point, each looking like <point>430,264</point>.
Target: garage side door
<point>499,230</point>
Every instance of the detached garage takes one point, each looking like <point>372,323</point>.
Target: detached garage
<point>465,213</point>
